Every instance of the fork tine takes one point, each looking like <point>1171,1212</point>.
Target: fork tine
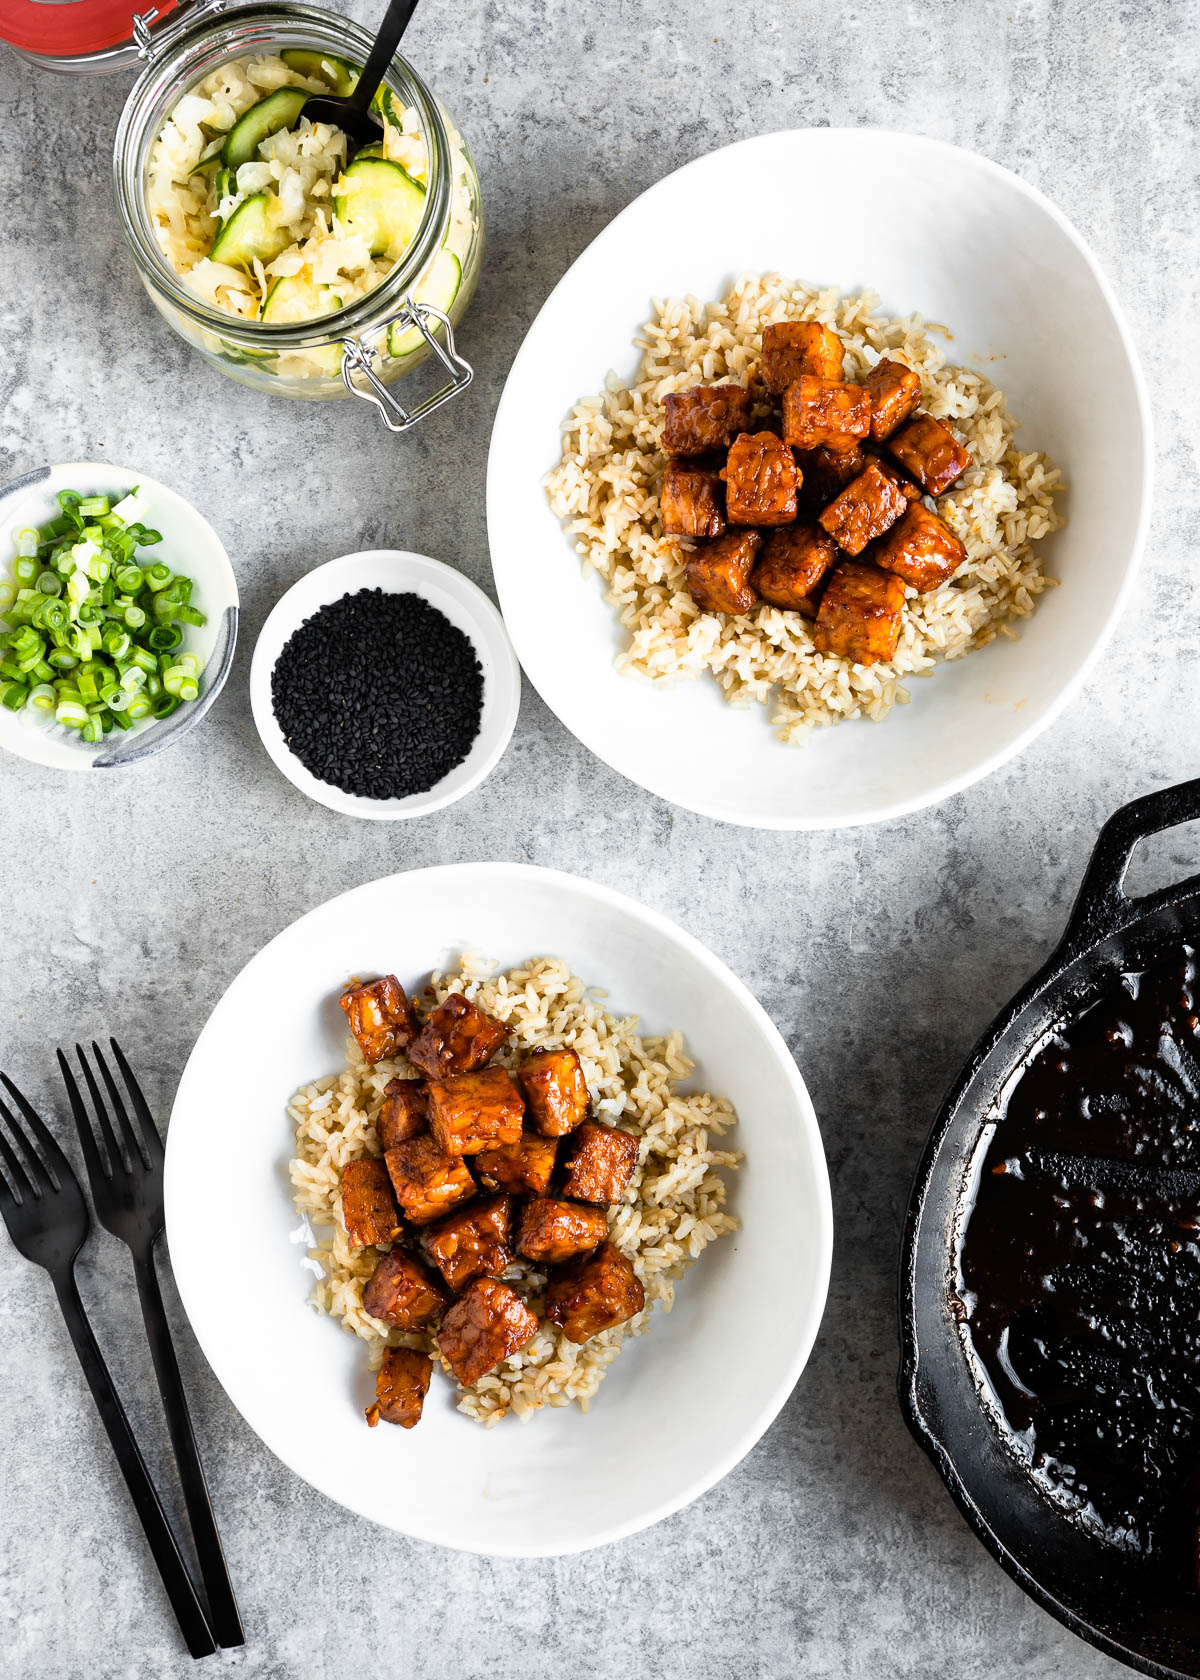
<point>141,1107</point>
<point>87,1138</point>
<point>117,1162</point>
<point>53,1159</point>
<point>28,1169</point>
<point>133,1144</point>
<point>18,1186</point>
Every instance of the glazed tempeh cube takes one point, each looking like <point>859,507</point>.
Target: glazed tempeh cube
<point>691,502</point>
<point>457,1038</point>
<point>487,1323</point>
<point>791,349</point>
<point>473,1111</point>
<point>556,1092</point>
<point>600,1163</point>
<point>552,1231</point>
<point>473,1241</point>
<point>930,452</point>
<point>718,575</point>
<point>401,1387</point>
<point>911,491</point>
<point>895,390</point>
<point>521,1168</point>
<point>705,418</point>
<point>821,414</point>
<point>860,614</point>
<point>824,473</point>
<point>402,1291</point>
<point>864,510</point>
<point>791,566</point>
<point>921,549</point>
<point>428,1182</point>
<point>369,1210</point>
<point>404,1112</point>
<point>380,1017</point>
<point>760,481</point>
<point>594,1293</point>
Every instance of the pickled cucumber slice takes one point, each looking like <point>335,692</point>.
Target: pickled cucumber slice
<point>280,109</point>
<point>250,233</point>
<point>384,204</point>
<point>209,158</point>
<point>226,183</point>
<point>439,289</point>
<point>375,149</point>
<point>293,299</point>
<point>324,67</point>
<point>385,103</point>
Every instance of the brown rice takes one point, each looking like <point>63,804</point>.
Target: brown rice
<point>673,1208</point>
<point>605,489</point>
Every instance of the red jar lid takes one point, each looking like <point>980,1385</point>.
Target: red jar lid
<point>67,28</point>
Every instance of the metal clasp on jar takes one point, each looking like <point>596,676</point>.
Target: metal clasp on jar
<point>358,359</point>
<point>148,43</point>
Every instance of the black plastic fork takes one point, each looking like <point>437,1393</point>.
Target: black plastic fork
<point>126,1176</point>
<point>42,1205</point>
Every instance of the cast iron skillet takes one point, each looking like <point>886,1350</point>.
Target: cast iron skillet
<point>1124,1606</point>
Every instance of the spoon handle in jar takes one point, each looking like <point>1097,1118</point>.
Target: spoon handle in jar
<point>395,21</point>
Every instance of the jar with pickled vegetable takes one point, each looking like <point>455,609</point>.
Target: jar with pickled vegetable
<point>290,261</point>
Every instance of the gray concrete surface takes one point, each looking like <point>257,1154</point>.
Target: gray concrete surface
<point>131,902</point>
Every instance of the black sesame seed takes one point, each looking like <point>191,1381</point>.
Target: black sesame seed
<point>378,694</point>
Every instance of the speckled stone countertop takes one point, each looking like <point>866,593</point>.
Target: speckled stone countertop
<point>832,1550</point>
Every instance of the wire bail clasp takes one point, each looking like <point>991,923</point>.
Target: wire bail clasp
<point>357,359</point>
<point>148,44</point>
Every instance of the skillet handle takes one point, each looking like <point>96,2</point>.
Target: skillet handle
<point>1102,906</point>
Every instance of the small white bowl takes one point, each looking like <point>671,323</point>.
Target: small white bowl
<point>467,608</point>
<point>189,545</point>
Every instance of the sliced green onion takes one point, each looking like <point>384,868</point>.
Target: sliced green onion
<point>115,641</point>
<point>164,637</point>
<point>43,698</point>
<point>122,720</point>
<point>69,499</point>
<point>28,541</point>
<point>71,713</point>
<point>140,706</point>
<point>149,539</point>
<point>62,659</point>
<point>145,660</point>
<point>189,615</point>
<point>165,705</point>
<point>158,577</point>
<point>93,729</point>
<point>13,695</point>
<point>25,570</point>
<point>130,579</point>
<point>94,504</point>
<point>49,583</point>
<point>8,595</point>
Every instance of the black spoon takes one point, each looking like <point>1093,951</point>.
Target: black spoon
<point>352,114</point>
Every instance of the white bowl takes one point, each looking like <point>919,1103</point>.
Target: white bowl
<point>467,608</point>
<point>946,234</point>
<point>189,545</point>
<point>679,1407</point>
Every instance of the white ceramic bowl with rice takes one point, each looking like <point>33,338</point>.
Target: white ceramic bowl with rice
<point>949,237</point>
<point>686,1399</point>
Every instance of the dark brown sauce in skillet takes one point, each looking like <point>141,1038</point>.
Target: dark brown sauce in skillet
<point>1079,1264</point>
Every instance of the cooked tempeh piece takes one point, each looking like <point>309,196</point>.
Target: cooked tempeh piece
<point>555,1090</point>
<point>718,575</point>
<point>704,418</point>
<point>401,1387</point>
<point>760,481</point>
<point>457,1038</point>
<point>594,1293</point>
<point>521,1168</point>
<point>864,510</point>
<point>860,614</point>
<point>930,452</point>
<point>910,491</point>
<point>791,349</point>
<point>791,566</point>
<point>921,549</point>
<point>369,1210</point>
<point>821,414</point>
<point>895,390</point>
<point>405,1112</point>
<point>487,1323</point>
<point>600,1163</point>
<point>473,1241</point>
<point>824,473</point>
<point>428,1182</point>
<point>402,1291</point>
<point>380,1017</point>
<point>691,502</point>
<point>473,1111</point>
<point>552,1231</point>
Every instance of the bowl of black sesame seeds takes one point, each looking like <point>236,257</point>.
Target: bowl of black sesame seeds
<point>384,685</point>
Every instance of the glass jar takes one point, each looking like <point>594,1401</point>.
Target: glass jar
<point>363,349</point>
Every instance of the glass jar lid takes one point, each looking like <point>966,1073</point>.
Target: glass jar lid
<point>80,35</point>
